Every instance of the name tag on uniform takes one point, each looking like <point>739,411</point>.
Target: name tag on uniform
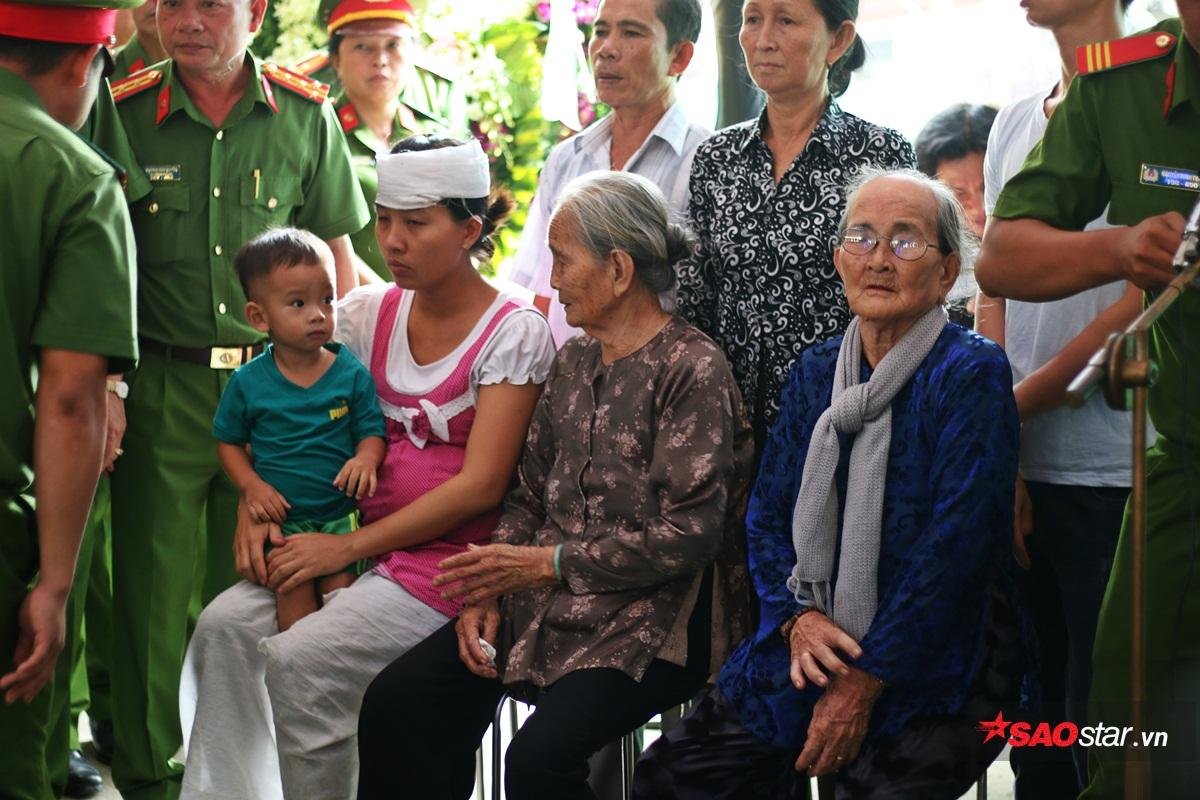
<point>164,173</point>
<point>1171,177</point>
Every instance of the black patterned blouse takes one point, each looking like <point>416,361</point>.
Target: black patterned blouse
<point>762,282</point>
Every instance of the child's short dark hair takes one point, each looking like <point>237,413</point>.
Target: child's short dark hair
<point>276,248</point>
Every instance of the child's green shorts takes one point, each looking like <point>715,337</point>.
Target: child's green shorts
<point>344,524</point>
<point>341,525</point>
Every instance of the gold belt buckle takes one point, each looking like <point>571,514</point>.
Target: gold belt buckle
<point>226,357</point>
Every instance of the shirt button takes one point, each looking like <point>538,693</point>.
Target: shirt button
<point>220,135</point>
<point>272,202</point>
<point>153,208</point>
<point>217,249</point>
<point>216,191</point>
<point>221,308</point>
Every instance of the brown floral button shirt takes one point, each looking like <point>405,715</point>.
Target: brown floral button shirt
<point>640,469</point>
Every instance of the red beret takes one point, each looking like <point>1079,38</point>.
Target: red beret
<point>348,11</point>
<point>70,23</point>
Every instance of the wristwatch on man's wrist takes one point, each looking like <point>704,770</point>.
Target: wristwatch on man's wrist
<point>119,388</point>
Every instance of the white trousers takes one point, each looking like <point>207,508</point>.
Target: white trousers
<point>269,715</point>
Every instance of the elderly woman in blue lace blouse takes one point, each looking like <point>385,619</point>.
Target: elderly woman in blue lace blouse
<point>878,535</point>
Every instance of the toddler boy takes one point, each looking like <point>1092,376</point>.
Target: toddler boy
<point>306,408</point>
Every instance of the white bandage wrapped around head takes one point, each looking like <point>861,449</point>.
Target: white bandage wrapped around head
<point>417,180</point>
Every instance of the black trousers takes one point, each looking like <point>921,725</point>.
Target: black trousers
<point>1075,532</point>
<point>423,717</point>
<point>711,756</point>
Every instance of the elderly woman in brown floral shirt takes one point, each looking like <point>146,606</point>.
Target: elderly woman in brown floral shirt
<point>615,584</point>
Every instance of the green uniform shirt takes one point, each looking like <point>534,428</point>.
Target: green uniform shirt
<point>1109,142</point>
<point>364,146</point>
<point>130,58</point>
<point>214,189</point>
<point>104,131</point>
<point>66,263</point>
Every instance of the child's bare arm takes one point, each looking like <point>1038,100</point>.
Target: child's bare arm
<point>357,476</point>
<point>264,503</point>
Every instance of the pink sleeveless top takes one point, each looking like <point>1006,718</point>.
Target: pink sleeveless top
<point>423,452</point>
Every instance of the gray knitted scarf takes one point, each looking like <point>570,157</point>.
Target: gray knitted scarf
<point>863,409</point>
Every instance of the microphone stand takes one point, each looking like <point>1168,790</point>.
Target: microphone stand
<point>1122,369</point>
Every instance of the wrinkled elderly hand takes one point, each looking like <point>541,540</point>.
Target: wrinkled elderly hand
<point>488,572</point>
<point>475,623</point>
<point>839,722</point>
<point>814,643</point>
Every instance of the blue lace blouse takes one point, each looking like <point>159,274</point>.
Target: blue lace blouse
<point>946,530</point>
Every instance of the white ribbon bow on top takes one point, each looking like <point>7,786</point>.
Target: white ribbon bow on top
<point>428,420</point>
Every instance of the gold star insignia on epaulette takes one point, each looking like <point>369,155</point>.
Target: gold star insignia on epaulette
<point>304,86</point>
<point>138,82</point>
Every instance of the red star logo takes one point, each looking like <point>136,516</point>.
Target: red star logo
<point>993,727</point>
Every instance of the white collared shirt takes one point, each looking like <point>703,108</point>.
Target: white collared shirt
<point>665,158</point>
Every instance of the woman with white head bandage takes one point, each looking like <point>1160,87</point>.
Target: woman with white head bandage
<point>458,368</point>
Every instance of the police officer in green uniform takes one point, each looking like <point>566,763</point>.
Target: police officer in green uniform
<point>81,676</point>
<point>1127,135</point>
<point>231,146</point>
<point>430,95</point>
<point>89,677</point>
<point>143,49</point>
<point>83,666</point>
<point>88,656</point>
<point>370,47</point>
<point>67,271</point>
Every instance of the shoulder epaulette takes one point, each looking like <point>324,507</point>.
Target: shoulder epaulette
<point>1121,52</point>
<point>310,64</point>
<point>300,84</point>
<point>135,83</point>
<point>119,170</point>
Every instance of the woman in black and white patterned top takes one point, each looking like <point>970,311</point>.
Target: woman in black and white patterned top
<point>765,198</point>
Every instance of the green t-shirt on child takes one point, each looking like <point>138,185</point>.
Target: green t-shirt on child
<point>300,438</point>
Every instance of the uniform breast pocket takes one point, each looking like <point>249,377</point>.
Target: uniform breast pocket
<point>1133,201</point>
<point>162,225</point>
<point>268,201</point>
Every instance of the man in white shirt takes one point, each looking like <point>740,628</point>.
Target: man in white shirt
<point>1074,463</point>
<point>639,48</point>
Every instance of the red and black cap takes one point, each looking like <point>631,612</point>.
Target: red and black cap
<point>65,21</point>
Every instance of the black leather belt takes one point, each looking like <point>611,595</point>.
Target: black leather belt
<point>211,357</point>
